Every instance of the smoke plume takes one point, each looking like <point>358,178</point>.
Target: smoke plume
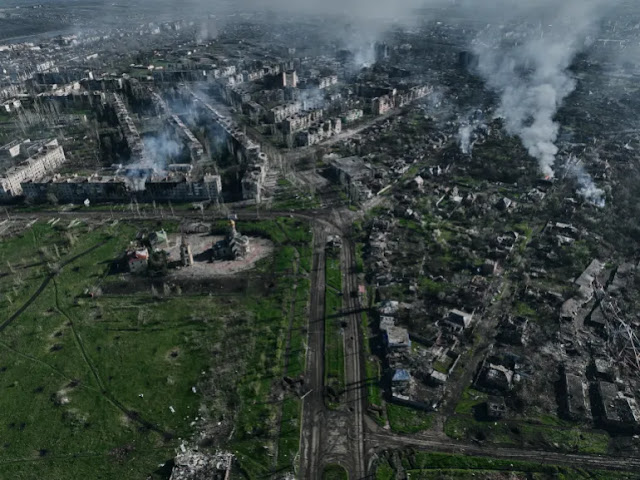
<point>586,187</point>
<point>529,68</point>
<point>159,151</point>
<point>470,131</point>
<point>464,138</point>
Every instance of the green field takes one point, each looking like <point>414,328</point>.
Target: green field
<point>372,369</point>
<point>291,197</point>
<point>550,437</point>
<point>103,387</point>
<point>408,420</point>
<point>334,342</point>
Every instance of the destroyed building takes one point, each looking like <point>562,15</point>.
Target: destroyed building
<point>191,464</point>
<point>118,186</point>
<point>574,397</point>
<point>615,409</point>
<point>353,173</point>
<point>233,246</point>
<point>45,160</point>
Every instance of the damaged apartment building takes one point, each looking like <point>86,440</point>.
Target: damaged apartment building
<point>27,161</point>
<point>124,184</point>
<point>246,153</point>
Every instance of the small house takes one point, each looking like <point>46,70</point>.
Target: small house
<point>138,260</point>
<point>459,320</point>
<point>401,377</point>
<point>398,338</point>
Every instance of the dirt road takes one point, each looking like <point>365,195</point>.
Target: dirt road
<point>311,434</point>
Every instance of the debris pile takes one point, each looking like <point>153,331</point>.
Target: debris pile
<point>191,464</point>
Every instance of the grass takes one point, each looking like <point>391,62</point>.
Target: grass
<point>411,225</point>
<point>432,287</point>
<point>408,420</point>
<point>523,310</point>
<point>74,381</point>
<point>424,465</point>
<point>359,258</point>
<point>288,440</point>
<point>384,471</point>
<point>470,398</point>
<point>372,366</point>
<point>334,472</point>
<point>297,345</point>
<point>373,375</point>
<point>443,366</point>
<point>334,343</point>
<point>571,440</point>
<point>291,197</point>
<point>93,380</point>
<point>463,427</point>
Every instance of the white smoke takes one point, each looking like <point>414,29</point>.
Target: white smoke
<point>587,189</point>
<point>312,98</point>
<point>207,30</point>
<point>464,138</point>
<point>159,151</point>
<point>529,68</point>
<point>471,130</point>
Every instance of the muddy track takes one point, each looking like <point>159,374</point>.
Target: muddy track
<point>44,284</point>
<point>287,352</point>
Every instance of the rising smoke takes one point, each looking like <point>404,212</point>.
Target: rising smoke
<point>470,131</point>
<point>525,52</point>
<point>159,152</point>
<point>587,189</point>
<point>529,68</point>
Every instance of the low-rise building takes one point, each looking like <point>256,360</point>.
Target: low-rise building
<point>233,246</point>
<point>616,410</point>
<point>138,260</point>
<point>459,320</point>
<point>397,338</point>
